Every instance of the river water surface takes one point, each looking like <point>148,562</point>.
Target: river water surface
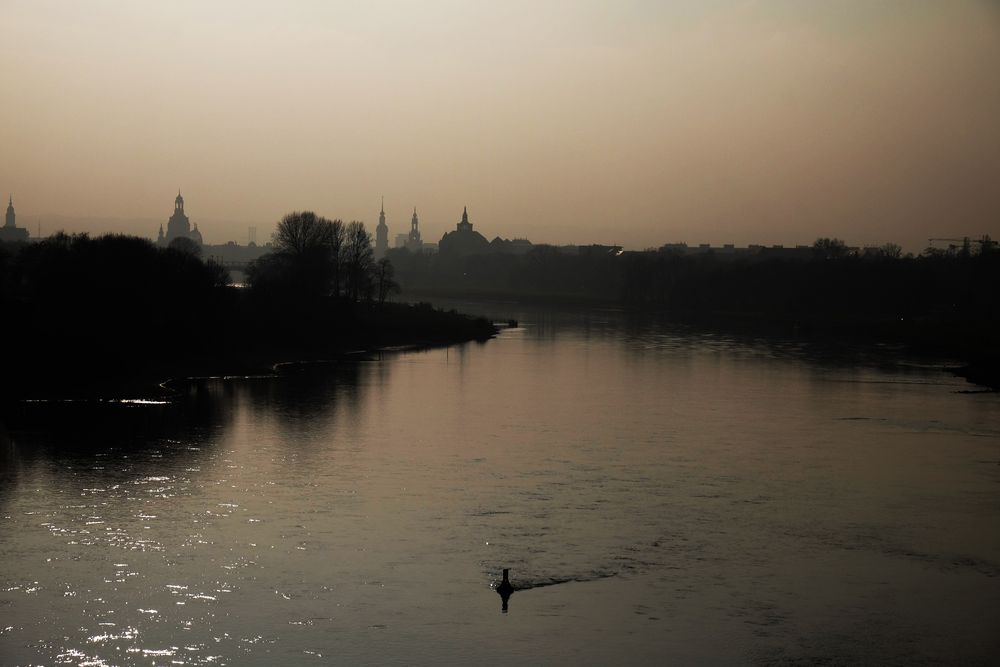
<point>661,496</point>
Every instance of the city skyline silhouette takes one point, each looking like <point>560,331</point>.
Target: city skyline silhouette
<point>636,124</point>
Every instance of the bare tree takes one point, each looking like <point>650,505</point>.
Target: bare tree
<point>384,280</point>
<point>338,234</point>
<point>891,250</point>
<point>300,234</point>
<point>358,258</point>
<point>309,247</point>
<point>826,248</point>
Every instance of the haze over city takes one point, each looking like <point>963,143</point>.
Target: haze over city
<point>520,332</point>
<point>633,123</point>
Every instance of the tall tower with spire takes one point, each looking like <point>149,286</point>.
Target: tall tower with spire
<point>9,220</point>
<point>413,242</point>
<point>381,234</point>
<point>9,231</point>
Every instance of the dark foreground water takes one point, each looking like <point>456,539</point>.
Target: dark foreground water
<point>662,497</point>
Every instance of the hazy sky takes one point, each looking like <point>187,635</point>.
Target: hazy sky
<point>635,123</point>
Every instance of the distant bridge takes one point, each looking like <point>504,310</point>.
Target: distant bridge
<point>231,264</point>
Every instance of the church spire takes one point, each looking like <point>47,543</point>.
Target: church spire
<point>465,225</point>
<point>9,218</point>
<point>415,230</point>
<point>381,234</point>
<point>381,221</point>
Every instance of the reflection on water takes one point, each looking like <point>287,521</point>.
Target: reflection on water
<point>651,489</point>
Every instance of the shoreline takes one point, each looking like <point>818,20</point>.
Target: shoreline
<point>962,349</point>
<point>155,391</point>
<point>99,378</point>
<point>274,369</point>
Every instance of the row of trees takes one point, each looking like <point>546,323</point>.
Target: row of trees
<point>81,310</point>
<point>98,316</point>
<point>316,258</point>
<point>829,280</point>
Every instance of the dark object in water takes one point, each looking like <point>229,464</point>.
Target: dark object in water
<point>511,324</point>
<point>505,589</point>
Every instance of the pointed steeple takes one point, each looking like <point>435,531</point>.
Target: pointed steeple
<point>381,234</point>
<point>381,216</point>
<point>414,230</point>
<point>9,218</point>
<point>464,225</point>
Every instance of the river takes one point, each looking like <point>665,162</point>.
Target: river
<point>661,496</point>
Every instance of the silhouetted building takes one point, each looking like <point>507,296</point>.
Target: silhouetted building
<point>413,242</point>
<point>511,246</point>
<point>9,231</point>
<point>464,240</point>
<point>178,226</point>
<point>382,233</point>
<point>598,250</point>
<point>730,251</point>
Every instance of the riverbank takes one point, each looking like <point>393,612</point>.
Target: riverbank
<point>259,342</point>
<point>963,348</point>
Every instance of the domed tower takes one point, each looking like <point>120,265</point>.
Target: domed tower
<point>381,234</point>
<point>178,225</point>
<point>195,235</point>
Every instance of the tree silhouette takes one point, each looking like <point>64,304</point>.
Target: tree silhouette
<point>307,258</point>
<point>185,245</point>
<point>384,279</point>
<point>302,234</point>
<point>826,248</point>
<point>891,250</point>
<point>358,257</point>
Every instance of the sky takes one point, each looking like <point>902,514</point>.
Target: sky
<point>634,123</point>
